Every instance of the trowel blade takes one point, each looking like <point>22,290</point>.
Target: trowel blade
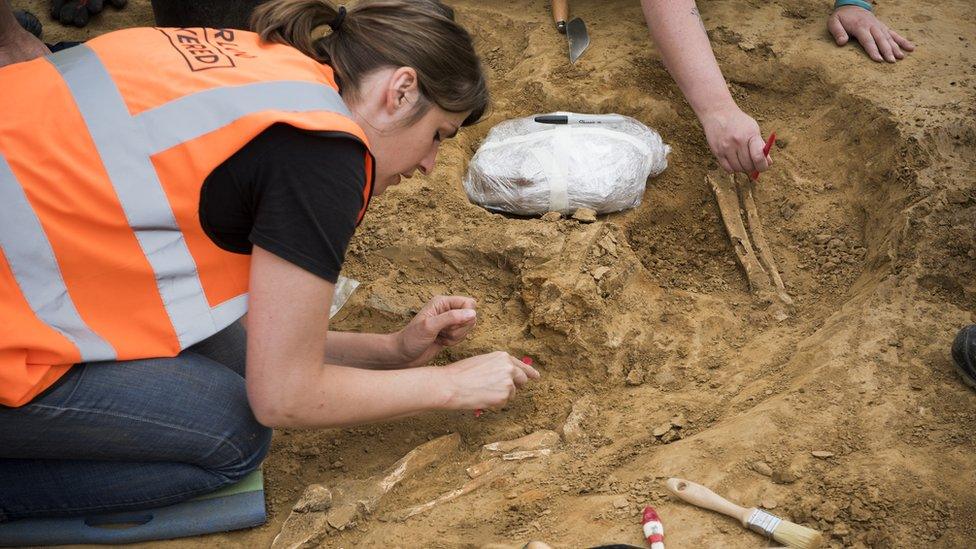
<point>579,39</point>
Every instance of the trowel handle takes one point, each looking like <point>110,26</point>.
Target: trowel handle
<point>696,494</point>
<point>560,13</point>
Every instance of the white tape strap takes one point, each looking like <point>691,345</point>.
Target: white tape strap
<point>554,167</point>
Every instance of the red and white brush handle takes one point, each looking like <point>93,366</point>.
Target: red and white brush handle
<point>653,529</point>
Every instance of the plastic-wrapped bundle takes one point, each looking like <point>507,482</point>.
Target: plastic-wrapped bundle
<point>530,168</point>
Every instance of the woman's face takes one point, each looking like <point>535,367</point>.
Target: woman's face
<point>401,146</point>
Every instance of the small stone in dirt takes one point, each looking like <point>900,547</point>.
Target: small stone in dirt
<point>840,530</point>
<point>679,421</point>
<point>762,468</point>
<point>340,517</point>
<point>957,196</point>
<point>821,238</point>
<point>552,216</point>
<point>599,272</point>
<point>585,215</point>
<point>315,499</point>
<point>822,454</point>
<point>671,436</point>
<point>769,503</point>
<point>784,476</point>
<point>660,430</point>
<point>621,502</point>
<point>635,377</point>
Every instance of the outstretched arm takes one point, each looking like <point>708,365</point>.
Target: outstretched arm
<point>16,44</point>
<point>855,18</point>
<point>289,386</point>
<point>733,136</point>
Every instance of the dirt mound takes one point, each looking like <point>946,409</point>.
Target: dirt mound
<point>643,322</point>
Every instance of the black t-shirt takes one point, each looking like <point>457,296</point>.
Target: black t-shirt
<point>294,193</point>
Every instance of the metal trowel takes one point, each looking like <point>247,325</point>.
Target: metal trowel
<point>575,30</point>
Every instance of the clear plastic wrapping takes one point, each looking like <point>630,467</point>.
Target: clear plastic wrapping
<point>344,288</point>
<point>529,168</point>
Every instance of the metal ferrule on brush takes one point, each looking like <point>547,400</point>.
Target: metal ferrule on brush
<point>762,522</point>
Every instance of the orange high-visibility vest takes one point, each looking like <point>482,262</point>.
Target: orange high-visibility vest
<point>103,150</point>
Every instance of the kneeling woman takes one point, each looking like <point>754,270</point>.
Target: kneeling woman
<point>158,184</point>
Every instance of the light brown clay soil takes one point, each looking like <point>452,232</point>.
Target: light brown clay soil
<point>871,212</point>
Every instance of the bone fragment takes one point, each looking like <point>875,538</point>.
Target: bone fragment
<point>534,441</point>
<point>466,488</point>
<point>354,498</point>
<point>728,206</point>
<point>527,454</point>
<point>572,428</point>
<point>483,467</point>
<point>759,238</point>
<point>315,499</point>
<point>735,201</point>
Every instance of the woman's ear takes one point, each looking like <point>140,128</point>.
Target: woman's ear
<point>403,91</point>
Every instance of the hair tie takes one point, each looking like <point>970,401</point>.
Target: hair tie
<point>337,22</point>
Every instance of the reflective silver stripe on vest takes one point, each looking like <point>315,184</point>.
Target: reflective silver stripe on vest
<point>230,311</point>
<point>125,144</point>
<point>36,270</point>
<point>203,112</point>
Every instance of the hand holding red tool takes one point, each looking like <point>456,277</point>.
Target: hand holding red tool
<point>769,145</point>
<point>525,360</point>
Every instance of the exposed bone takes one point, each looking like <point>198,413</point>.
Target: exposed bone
<point>466,488</point>
<point>315,499</point>
<point>751,248</point>
<point>728,206</point>
<point>483,467</point>
<point>759,238</point>
<point>534,441</point>
<point>355,498</point>
<point>572,428</point>
<point>527,454</point>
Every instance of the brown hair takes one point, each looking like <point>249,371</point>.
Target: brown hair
<point>421,34</point>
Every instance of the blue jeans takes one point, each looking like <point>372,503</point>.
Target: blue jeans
<point>119,436</point>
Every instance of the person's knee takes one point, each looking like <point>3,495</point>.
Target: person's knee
<point>245,446</point>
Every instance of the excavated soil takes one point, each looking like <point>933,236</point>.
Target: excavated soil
<point>644,321</point>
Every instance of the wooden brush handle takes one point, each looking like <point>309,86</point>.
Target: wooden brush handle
<point>560,10</point>
<point>696,494</point>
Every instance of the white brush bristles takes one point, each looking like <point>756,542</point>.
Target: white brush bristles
<point>796,536</point>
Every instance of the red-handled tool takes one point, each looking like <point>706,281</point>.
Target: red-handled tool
<point>525,360</point>
<point>653,529</point>
<point>769,145</point>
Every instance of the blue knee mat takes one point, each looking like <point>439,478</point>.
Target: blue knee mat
<point>234,507</point>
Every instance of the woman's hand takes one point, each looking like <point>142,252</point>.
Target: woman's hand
<point>442,322</point>
<point>735,140</point>
<point>486,381</point>
<point>880,42</point>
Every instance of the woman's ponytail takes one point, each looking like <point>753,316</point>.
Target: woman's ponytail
<point>293,22</point>
<point>421,34</point>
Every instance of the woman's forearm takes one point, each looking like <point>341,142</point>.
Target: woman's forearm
<point>338,396</point>
<point>679,33</point>
<point>372,351</point>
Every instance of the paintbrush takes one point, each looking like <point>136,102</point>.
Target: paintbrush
<point>757,520</point>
